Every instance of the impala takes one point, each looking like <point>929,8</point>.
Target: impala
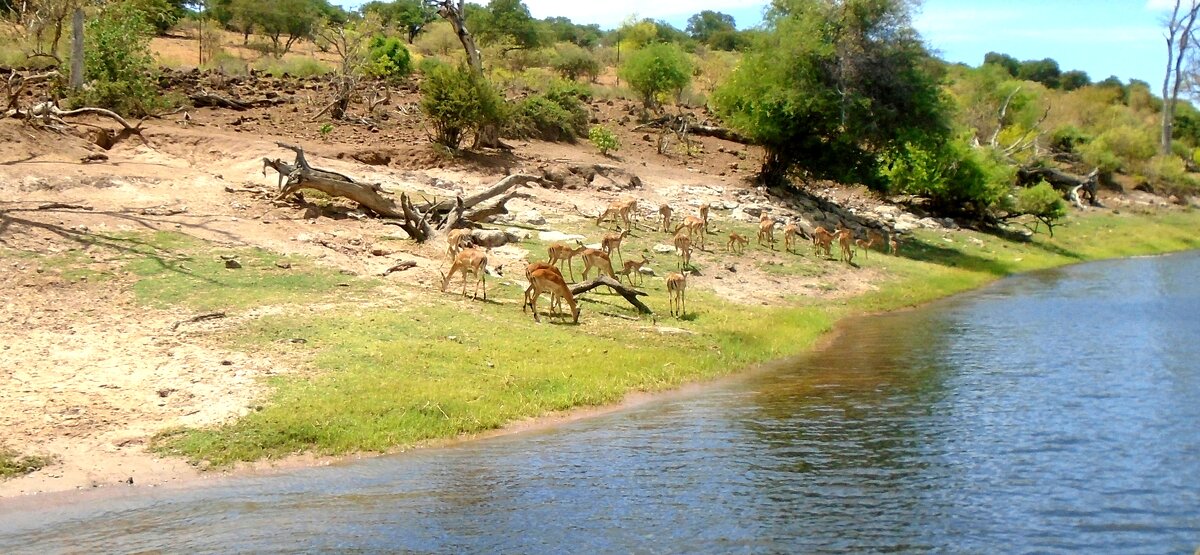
<point>676,287</point>
<point>633,268</point>
<point>559,253</point>
<point>683,247</point>
<point>550,281</point>
<point>469,261</point>
<point>766,230</point>
<point>736,240</point>
<point>612,242</point>
<point>665,211</point>
<point>790,233</point>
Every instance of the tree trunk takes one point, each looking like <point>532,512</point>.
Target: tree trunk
<point>1178,37</point>
<point>77,50</point>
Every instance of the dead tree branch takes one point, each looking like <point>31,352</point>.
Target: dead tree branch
<point>628,293</point>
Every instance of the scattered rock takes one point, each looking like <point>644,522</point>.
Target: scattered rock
<point>531,217</point>
<point>663,249</point>
<point>284,265</point>
<point>233,264</point>
<point>558,236</point>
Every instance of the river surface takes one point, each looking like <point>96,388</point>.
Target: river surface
<point>1056,412</point>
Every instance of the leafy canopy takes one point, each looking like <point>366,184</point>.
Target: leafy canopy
<point>832,87</point>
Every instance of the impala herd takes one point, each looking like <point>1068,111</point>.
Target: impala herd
<point>547,277</point>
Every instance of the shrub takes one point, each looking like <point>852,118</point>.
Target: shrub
<point>557,115</point>
<point>1168,175</point>
<point>118,63</point>
<point>1120,148</point>
<point>1066,138</point>
<point>954,176</point>
<point>388,59</point>
<point>604,139</point>
<point>456,100</point>
<point>656,70</point>
<point>573,62</point>
<point>1042,202</point>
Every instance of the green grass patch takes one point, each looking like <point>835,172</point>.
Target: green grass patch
<point>13,464</point>
<point>382,379</point>
<point>175,269</point>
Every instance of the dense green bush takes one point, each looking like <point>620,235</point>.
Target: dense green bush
<point>1042,202</point>
<point>388,59</point>
<point>603,139</point>
<point>1120,148</point>
<point>655,70</point>
<point>1168,175</point>
<point>955,177</point>
<point>559,114</point>
<point>118,64</point>
<point>573,62</point>
<point>458,101</point>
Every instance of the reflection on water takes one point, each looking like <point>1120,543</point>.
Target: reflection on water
<point>1055,412</point>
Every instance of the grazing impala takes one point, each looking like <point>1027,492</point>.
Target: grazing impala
<point>694,227</point>
<point>676,287</point>
<point>736,243</point>
<point>469,261</point>
<point>457,240</point>
<point>529,270</point>
<point>617,211</point>
<point>822,241</point>
<point>550,281</point>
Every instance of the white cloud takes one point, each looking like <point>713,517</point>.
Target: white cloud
<point>610,13</point>
<point>1159,5</point>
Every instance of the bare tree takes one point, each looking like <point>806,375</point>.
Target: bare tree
<point>1179,43</point>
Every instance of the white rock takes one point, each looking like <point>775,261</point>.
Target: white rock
<point>557,236</point>
<point>664,249</point>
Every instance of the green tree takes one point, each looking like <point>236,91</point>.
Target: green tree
<point>703,25</point>
<point>388,59</point>
<point>410,15</point>
<point>283,21</point>
<point>1009,63</point>
<point>1044,71</point>
<point>507,22</point>
<point>656,70</point>
<point>118,63</point>
<point>1074,79</point>
<point>832,88</point>
<point>458,100</point>
<point>1043,203</point>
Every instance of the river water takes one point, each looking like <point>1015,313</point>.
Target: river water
<point>1051,412</point>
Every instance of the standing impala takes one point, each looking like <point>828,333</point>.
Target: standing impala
<point>676,287</point>
<point>665,211</point>
<point>612,242</point>
<point>559,253</point>
<point>469,261</point>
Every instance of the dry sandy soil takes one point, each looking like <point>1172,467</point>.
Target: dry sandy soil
<point>88,375</point>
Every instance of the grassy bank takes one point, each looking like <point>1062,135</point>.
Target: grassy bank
<point>389,377</point>
<point>14,464</point>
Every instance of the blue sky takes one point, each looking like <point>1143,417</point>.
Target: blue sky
<point>1101,37</point>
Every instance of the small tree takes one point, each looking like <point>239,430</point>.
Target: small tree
<point>118,62</point>
<point>1043,203</point>
<point>656,70</point>
<point>573,62</point>
<point>388,59</point>
<point>603,139</point>
<point>458,101</point>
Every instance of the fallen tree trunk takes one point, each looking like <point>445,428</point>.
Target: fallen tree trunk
<point>719,133</point>
<point>468,202</point>
<point>1074,187</point>
<point>203,99</point>
<point>628,293</point>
